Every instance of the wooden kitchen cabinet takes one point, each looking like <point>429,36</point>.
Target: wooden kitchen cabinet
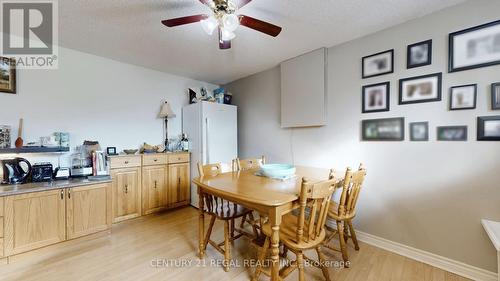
<point>126,195</point>
<point>34,220</point>
<point>178,185</point>
<point>88,210</point>
<point>154,188</point>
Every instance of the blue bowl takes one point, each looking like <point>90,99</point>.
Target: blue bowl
<point>278,170</point>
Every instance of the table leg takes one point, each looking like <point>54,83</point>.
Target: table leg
<point>275,220</point>
<point>201,224</point>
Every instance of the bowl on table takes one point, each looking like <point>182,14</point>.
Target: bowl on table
<point>130,151</point>
<point>278,171</point>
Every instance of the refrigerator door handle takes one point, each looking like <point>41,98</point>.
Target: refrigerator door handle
<point>207,123</point>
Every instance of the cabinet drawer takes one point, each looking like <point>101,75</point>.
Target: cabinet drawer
<point>178,158</point>
<point>125,161</point>
<point>154,159</point>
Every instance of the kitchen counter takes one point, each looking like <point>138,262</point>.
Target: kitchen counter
<point>15,189</point>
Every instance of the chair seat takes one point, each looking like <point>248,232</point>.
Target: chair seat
<point>288,233</point>
<point>227,211</point>
<point>333,212</point>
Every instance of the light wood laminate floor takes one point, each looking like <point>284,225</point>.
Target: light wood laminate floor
<point>142,248</point>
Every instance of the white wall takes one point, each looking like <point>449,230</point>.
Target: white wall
<point>95,98</point>
<point>428,195</point>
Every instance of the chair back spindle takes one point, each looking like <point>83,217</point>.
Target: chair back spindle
<point>351,188</point>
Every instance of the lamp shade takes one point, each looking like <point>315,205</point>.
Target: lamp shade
<point>166,111</point>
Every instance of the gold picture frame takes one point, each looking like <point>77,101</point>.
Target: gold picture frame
<point>7,75</point>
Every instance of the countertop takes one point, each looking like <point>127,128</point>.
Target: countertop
<point>15,189</point>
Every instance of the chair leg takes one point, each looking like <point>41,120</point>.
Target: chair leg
<point>343,248</point>
<point>227,246</point>
<point>254,227</point>
<point>261,257</point>
<point>321,258</point>
<point>353,236</point>
<point>346,233</point>
<point>232,230</point>
<point>209,233</point>
<point>300,266</point>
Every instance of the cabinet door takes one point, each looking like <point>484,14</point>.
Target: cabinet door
<point>34,220</point>
<point>154,189</point>
<point>88,210</point>
<point>126,194</point>
<point>178,185</point>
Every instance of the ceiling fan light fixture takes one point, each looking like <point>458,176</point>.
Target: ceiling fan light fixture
<point>209,25</point>
<point>230,22</point>
<point>227,35</point>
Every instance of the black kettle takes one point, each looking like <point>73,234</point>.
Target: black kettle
<point>14,171</point>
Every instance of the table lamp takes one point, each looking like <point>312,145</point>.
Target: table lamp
<point>166,112</point>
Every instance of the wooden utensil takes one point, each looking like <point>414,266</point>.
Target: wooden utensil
<point>19,140</point>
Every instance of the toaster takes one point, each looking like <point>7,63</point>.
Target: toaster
<point>42,172</point>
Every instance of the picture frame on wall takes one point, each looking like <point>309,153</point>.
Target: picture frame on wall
<point>386,129</point>
<point>378,64</point>
<point>376,97</point>
<point>474,47</point>
<point>495,96</point>
<point>488,128</point>
<point>418,89</point>
<point>463,97</point>
<point>7,75</point>
<point>419,131</point>
<point>419,54</point>
<point>452,133</point>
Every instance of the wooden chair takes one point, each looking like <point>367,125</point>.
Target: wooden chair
<point>303,232</point>
<point>243,165</point>
<point>224,210</point>
<point>344,211</point>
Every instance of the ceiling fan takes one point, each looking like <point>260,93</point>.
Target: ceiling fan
<point>225,20</point>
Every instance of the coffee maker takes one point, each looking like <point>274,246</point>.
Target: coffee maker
<point>14,171</point>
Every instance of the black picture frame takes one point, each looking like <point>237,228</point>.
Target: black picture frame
<point>439,76</point>
<point>400,122</point>
<point>441,129</point>
<point>481,120</point>
<point>391,51</point>
<point>12,75</point>
<point>450,104</point>
<point>495,98</point>
<point>111,151</point>
<point>412,134</point>
<point>428,61</point>
<point>387,97</point>
<point>451,40</point>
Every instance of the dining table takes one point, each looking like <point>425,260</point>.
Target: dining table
<point>269,197</point>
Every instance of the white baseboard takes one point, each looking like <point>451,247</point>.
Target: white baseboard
<point>447,264</point>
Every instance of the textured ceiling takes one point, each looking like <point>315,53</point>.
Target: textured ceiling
<point>130,31</point>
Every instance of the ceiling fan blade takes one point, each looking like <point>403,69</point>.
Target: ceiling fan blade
<point>240,3</point>
<point>184,20</point>
<point>223,45</point>
<point>262,26</point>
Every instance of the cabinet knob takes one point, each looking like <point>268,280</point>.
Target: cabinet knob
<point>126,162</point>
<point>69,193</point>
<point>155,184</point>
<point>156,160</point>
<point>126,188</point>
<point>62,194</point>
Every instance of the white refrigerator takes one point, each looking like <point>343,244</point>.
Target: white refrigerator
<point>212,130</point>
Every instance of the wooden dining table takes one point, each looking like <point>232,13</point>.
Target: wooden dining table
<point>271,197</point>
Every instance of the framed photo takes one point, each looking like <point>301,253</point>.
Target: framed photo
<point>378,64</point>
<point>7,75</point>
<point>388,129</point>
<point>452,133</point>
<point>495,96</point>
<point>488,128</point>
<point>419,54</point>
<point>111,151</point>
<point>419,131</point>
<point>426,88</point>
<point>375,97</point>
<point>474,47</point>
<point>463,97</point>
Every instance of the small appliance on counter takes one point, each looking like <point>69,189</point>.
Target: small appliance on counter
<point>81,165</point>
<point>42,172</point>
<point>62,173</point>
<point>14,171</point>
